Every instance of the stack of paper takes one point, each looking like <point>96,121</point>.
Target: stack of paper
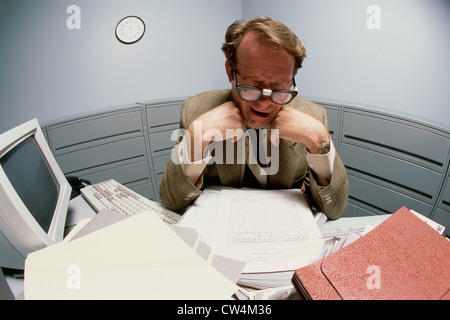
<point>273,232</point>
<point>266,280</point>
<point>136,258</point>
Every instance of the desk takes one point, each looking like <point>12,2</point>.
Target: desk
<point>79,209</point>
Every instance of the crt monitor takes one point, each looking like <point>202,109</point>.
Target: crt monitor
<point>34,195</point>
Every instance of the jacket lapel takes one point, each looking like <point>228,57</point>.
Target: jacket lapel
<point>290,160</point>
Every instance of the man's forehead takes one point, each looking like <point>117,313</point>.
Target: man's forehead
<point>252,43</point>
<point>254,52</point>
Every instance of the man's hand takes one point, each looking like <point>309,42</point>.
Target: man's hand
<point>213,126</point>
<point>296,126</point>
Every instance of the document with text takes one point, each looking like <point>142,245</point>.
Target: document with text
<point>202,215</point>
<point>271,230</point>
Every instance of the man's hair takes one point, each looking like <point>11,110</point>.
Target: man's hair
<point>269,30</point>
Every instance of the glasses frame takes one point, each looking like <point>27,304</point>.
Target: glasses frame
<point>265,92</point>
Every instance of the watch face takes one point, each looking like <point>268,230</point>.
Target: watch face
<point>130,29</point>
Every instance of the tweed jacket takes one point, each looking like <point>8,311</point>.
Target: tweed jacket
<point>177,192</point>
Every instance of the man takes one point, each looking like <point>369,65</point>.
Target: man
<point>262,58</point>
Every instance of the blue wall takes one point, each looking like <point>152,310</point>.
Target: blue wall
<point>403,68</point>
<point>51,72</point>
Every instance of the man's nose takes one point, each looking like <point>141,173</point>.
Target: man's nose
<point>265,101</point>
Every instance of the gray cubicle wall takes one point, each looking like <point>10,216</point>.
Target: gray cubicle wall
<point>391,161</point>
<point>130,144</point>
<point>401,164</point>
<point>442,212</point>
<point>162,119</point>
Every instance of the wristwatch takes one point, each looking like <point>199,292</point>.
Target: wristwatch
<point>324,148</point>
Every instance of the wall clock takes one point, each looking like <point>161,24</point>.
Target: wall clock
<point>130,30</point>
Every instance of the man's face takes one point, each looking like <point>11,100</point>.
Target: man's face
<point>264,66</point>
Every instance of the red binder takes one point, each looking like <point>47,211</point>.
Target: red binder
<point>402,259</point>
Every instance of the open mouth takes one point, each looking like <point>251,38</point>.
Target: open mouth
<point>260,114</point>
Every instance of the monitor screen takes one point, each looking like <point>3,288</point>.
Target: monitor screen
<point>34,194</point>
<point>34,182</point>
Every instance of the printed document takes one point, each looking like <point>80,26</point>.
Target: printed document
<point>202,215</point>
<point>271,230</point>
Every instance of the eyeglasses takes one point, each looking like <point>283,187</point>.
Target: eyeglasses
<point>252,94</point>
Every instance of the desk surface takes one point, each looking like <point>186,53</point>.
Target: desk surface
<point>79,210</point>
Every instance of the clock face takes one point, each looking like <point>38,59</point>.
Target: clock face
<point>130,30</point>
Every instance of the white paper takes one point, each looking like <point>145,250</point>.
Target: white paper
<point>436,226</point>
<point>136,258</point>
<point>202,215</point>
<point>344,226</point>
<point>269,230</point>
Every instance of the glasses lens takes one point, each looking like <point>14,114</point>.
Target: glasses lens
<point>250,94</point>
<point>282,97</point>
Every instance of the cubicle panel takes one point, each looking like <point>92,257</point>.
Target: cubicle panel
<point>159,163</point>
<point>391,161</point>
<point>90,131</point>
<point>423,181</point>
<point>442,213</point>
<point>44,131</point>
<point>445,198</point>
<point>415,143</point>
<point>333,121</point>
<point>442,217</point>
<point>146,191</point>
<point>103,157</point>
<point>357,209</point>
<point>135,176</point>
<point>378,197</point>
<point>161,142</point>
<point>163,116</point>
<point>135,173</point>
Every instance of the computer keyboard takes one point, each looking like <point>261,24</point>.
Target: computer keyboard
<point>112,195</point>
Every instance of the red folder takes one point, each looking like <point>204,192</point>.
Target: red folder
<point>402,259</point>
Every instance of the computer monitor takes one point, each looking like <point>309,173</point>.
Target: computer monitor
<point>34,195</point>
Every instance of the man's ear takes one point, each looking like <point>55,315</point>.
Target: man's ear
<point>229,70</point>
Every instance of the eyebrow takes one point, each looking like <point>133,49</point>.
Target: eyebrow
<point>259,82</point>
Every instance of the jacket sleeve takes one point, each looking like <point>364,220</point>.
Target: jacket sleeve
<point>332,199</point>
<point>175,190</point>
